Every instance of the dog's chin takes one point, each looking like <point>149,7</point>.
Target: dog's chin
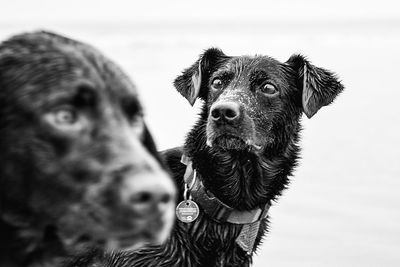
<point>130,242</point>
<point>149,230</point>
<point>233,143</point>
<point>138,238</point>
<point>125,241</point>
<point>135,241</point>
<point>229,142</point>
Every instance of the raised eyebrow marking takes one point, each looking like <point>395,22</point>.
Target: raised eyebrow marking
<point>221,72</point>
<point>61,97</point>
<point>81,94</point>
<point>224,74</point>
<point>259,73</point>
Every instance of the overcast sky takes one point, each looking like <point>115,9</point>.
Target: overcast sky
<point>176,10</point>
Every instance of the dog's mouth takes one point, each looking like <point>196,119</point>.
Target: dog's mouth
<point>152,232</point>
<point>120,240</point>
<point>134,240</point>
<point>93,226</point>
<point>233,143</point>
<point>233,136</point>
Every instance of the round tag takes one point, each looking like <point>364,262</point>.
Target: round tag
<point>187,211</point>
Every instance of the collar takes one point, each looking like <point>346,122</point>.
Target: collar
<point>215,208</point>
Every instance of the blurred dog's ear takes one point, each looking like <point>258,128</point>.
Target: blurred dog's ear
<point>149,144</point>
<point>191,83</point>
<point>319,86</point>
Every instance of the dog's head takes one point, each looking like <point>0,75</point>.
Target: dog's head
<point>75,153</point>
<point>245,143</point>
<point>255,102</point>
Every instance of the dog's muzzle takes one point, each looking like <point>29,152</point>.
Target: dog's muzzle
<point>229,127</point>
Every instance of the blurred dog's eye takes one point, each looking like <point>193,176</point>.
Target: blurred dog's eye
<point>132,107</point>
<point>65,116</point>
<point>217,84</point>
<point>269,89</point>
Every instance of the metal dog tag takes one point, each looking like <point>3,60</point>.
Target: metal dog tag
<point>187,211</point>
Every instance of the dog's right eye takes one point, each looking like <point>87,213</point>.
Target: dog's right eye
<point>269,89</point>
<point>217,84</point>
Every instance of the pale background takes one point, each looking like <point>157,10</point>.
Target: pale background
<point>342,208</point>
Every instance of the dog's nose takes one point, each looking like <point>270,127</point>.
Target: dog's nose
<point>225,111</point>
<point>149,193</point>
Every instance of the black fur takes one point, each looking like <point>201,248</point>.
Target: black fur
<point>243,170</point>
<point>70,121</point>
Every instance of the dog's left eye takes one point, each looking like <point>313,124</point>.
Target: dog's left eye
<point>64,119</point>
<point>269,89</point>
<point>217,84</point>
<point>65,116</point>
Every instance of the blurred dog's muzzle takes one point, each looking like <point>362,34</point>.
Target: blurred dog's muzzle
<point>151,199</point>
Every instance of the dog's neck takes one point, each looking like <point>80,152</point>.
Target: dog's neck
<point>212,206</point>
<point>243,180</point>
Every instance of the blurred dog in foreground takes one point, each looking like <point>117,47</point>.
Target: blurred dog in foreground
<point>237,158</point>
<point>78,167</point>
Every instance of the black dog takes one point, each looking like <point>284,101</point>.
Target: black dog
<point>78,166</point>
<point>238,156</point>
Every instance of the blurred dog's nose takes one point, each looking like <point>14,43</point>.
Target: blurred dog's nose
<point>152,194</point>
<point>149,192</point>
<point>225,111</point>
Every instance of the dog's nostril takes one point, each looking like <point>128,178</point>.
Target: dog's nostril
<point>230,113</point>
<point>146,197</point>
<point>141,198</point>
<point>165,198</point>
<point>215,114</point>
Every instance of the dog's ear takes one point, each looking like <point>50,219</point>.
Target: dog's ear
<point>149,144</point>
<point>191,83</point>
<point>319,86</point>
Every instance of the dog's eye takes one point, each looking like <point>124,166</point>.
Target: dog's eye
<point>65,116</point>
<point>269,89</point>
<point>132,107</point>
<point>217,84</point>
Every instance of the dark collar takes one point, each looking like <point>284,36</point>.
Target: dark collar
<point>215,208</point>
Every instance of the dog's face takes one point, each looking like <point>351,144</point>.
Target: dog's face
<point>255,103</point>
<point>247,98</point>
<point>75,153</point>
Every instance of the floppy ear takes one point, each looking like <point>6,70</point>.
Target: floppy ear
<point>319,86</point>
<point>191,83</point>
